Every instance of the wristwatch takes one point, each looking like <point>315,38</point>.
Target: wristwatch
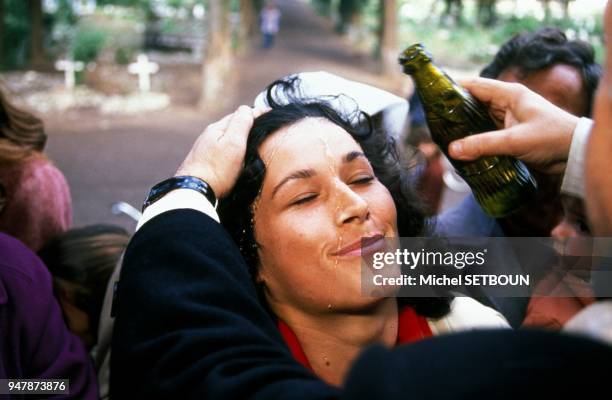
<point>180,182</point>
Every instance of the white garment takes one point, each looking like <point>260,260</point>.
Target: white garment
<point>348,96</point>
<point>270,20</point>
<point>573,180</point>
<point>595,321</point>
<point>467,314</point>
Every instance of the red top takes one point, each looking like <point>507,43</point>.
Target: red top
<point>412,327</point>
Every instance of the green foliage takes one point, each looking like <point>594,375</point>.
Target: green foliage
<point>65,14</point>
<point>88,42</point>
<point>513,25</point>
<point>124,55</point>
<point>465,45</point>
<point>472,45</point>
<point>323,7</point>
<point>16,34</point>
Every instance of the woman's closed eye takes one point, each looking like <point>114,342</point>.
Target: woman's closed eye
<point>303,199</point>
<point>362,180</point>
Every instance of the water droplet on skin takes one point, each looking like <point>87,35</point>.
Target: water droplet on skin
<point>326,361</point>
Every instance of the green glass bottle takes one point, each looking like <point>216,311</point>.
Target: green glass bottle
<point>500,184</point>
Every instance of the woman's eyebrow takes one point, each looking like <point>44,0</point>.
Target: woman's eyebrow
<point>352,155</point>
<point>300,174</point>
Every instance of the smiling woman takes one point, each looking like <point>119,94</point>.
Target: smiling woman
<point>314,183</point>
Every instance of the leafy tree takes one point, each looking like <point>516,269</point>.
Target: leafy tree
<point>16,33</point>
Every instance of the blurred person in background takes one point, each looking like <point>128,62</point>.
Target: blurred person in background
<point>35,203</point>
<point>81,262</point>
<point>269,20</point>
<point>34,340</point>
<point>565,290</point>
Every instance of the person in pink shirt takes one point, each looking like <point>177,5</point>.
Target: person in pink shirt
<point>35,203</point>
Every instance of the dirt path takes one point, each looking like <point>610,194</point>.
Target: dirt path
<point>107,159</point>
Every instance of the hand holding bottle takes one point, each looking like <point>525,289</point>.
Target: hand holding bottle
<point>501,184</point>
<point>534,130</point>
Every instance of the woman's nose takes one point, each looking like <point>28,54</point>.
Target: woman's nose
<point>349,206</point>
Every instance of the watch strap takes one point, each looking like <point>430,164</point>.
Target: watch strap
<point>180,182</point>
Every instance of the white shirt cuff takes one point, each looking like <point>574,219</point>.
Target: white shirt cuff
<point>573,180</point>
<point>179,199</point>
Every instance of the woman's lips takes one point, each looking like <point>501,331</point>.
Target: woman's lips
<point>363,246</point>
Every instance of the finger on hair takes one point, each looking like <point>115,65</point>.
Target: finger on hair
<point>241,121</point>
<point>258,111</point>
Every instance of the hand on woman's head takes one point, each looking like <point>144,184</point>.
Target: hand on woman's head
<point>218,153</point>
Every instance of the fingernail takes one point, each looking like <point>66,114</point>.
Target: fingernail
<point>456,148</point>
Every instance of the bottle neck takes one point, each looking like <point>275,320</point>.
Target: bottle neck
<point>431,82</point>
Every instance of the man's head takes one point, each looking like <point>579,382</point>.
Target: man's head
<point>566,74</point>
<point>561,70</point>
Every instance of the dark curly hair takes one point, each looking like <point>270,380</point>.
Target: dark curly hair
<point>288,107</point>
<point>532,52</point>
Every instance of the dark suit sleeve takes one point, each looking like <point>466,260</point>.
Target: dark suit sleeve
<point>189,323</point>
<point>496,364</point>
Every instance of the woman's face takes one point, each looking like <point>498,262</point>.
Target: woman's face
<point>319,199</point>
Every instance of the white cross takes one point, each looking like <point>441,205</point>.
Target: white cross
<point>144,69</point>
<point>69,67</point>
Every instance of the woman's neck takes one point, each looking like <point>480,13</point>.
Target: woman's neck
<point>332,341</point>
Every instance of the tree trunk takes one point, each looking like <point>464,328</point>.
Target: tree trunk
<point>217,51</point>
<point>389,40</point>
<point>565,4</point>
<point>248,24</point>
<point>37,52</point>
<point>1,33</point>
<point>546,6</point>
<point>453,11</point>
<point>486,12</point>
